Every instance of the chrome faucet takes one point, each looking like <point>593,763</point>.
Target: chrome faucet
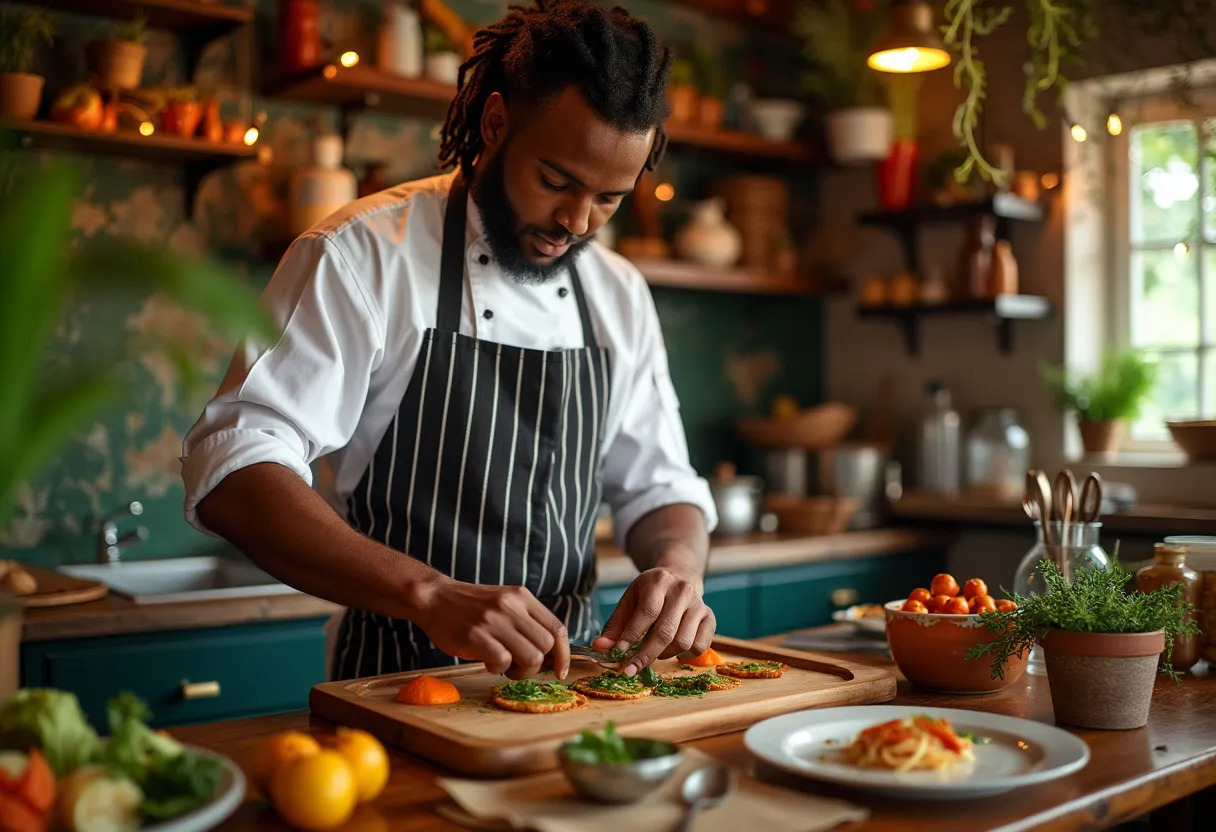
<point>109,542</point>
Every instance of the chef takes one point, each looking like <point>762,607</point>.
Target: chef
<point>473,375</point>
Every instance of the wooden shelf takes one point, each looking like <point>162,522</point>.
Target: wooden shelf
<point>1004,309</point>
<point>775,14</point>
<point>198,156</point>
<point>178,15</point>
<point>359,87</point>
<point>679,274</point>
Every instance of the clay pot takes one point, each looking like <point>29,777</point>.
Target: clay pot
<point>20,94</point>
<point>117,64</point>
<point>685,103</point>
<point>859,134</point>
<point>181,118</point>
<point>708,238</point>
<point>930,649</point>
<point>1102,680</point>
<point>1102,437</point>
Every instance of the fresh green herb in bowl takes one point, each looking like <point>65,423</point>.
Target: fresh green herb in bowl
<point>609,768</point>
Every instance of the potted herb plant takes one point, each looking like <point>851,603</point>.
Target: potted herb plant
<point>1102,645</point>
<point>117,62</point>
<point>711,105</point>
<point>683,97</point>
<point>181,111</point>
<point>442,60</point>
<point>836,40</point>
<point>1106,400</point>
<point>21,33</point>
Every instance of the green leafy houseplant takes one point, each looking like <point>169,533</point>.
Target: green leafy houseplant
<point>1114,393</point>
<point>134,30</point>
<point>45,402</point>
<point>836,40</point>
<point>21,33</point>
<point>1095,602</point>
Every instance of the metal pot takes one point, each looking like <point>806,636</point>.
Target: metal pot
<point>738,502</point>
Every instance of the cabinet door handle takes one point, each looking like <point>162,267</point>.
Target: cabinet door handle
<point>200,690</point>
<point>845,597</point>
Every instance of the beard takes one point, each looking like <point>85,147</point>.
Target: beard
<point>505,234</point>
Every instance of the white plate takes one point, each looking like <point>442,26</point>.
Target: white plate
<point>870,623</point>
<point>1022,752</point>
<point>210,815</point>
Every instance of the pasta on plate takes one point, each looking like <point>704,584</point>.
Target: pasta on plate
<point>918,743</point>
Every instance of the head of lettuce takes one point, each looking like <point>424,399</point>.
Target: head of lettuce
<point>52,721</point>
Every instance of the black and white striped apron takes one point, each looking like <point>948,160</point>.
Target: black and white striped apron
<point>489,472</point>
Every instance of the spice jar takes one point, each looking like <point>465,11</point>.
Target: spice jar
<point>1169,568</point>
<point>1201,556</point>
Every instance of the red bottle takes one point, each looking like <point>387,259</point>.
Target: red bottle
<point>299,36</point>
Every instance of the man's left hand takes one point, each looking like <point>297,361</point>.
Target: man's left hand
<point>668,603</point>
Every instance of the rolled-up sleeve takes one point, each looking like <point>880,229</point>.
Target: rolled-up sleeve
<point>300,398</point>
<point>646,464</point>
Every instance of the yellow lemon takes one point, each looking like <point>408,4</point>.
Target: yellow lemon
<point>367,759</point>
<point>276,750</point>
<point>316,792</point>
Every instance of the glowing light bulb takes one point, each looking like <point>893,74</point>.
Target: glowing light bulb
<point>1114,124</point>
<point>329,71</point>
<point>349,59</point>
<point>1049,180</point>
<point>664,192</point>
<point>1181,250</point>
<point>1079,133</point>
<point>251,136</point>
<point>146,128</point>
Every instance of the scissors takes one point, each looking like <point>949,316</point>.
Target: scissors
<point>1089,506</point>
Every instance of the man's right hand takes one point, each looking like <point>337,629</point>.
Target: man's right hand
<point>504,626</point>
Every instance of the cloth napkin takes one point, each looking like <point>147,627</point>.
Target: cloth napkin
<point>548,803</point>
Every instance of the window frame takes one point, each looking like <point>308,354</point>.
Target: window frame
<point>1159,109</point>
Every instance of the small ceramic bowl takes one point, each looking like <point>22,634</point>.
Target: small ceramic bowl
<point>930,650</point>
<point>621,782</point>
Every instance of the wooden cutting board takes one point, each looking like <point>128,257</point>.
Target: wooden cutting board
<point>473,737</point>
<point>56,589</point>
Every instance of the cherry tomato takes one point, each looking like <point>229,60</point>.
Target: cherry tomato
<point>973,588</point>
<point>920,594</point>
<point>912,605</point>
<point>937,603</point>
<point>955,606</point>
<point>982,603</point>
<point>944,584</point>
<point>1005,605</point>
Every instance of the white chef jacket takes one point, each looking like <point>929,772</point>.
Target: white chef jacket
<point>353,297</point>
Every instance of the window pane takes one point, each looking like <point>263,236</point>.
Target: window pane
<point>1175,397</point>
<point>1209,197</point>
<point>1164,298</point>
<point>1209,295</point>
<point>1164,182</point>
<point>1209,389</point>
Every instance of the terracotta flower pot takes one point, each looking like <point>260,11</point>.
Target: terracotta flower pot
<point>1102,437</point>
<point>181,118</point>
<point>1102,680</point>
<point>685,102</point>
<point>20,94</point>
<point>118,64</point>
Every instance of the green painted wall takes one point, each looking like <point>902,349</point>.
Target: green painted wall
<point>729,354</point>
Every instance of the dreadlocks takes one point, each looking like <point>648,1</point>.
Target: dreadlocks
<point>534,53</point>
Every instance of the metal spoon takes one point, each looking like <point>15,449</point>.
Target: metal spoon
<point>705,788</point>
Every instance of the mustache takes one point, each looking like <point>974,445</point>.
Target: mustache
<point>557,236</point>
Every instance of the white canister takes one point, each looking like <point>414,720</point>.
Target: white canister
<point>400,47</point>
<point>859,134</point>
<point>443,67</point>
<point>322,188</point>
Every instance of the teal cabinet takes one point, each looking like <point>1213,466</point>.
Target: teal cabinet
<point>769,601</point>
<point>187,676</point>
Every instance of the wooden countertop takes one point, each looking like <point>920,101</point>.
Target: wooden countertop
<point>1130,772</point>
<point>979,510</point>
<point>115,615</point>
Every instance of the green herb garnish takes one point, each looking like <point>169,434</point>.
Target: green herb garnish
<point>615,683</point>
<point>610,747</point>
<point>529,690</point>
<point>686,667</point>
<point>1093,603</point>
<point>649,677</point>
<point>690,685</point>
<point>619,655</point>
<point>975,739</point>
<point>756,667</point>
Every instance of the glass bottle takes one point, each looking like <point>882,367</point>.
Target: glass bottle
<point>939,443</point>
<point>1169,567</point>
<point>998,454</point>
<point>1082,550</point>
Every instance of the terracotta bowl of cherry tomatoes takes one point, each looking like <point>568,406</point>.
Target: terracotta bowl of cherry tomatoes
<point>931,630</point>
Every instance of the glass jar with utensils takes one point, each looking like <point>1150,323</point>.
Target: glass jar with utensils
<point>1067,531</point>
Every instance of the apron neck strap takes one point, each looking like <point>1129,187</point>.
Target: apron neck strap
<point>451,267</point>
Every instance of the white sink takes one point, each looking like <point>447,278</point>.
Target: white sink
<point>181,579</point>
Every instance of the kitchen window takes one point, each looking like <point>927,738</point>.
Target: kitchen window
<point>1162,233</point>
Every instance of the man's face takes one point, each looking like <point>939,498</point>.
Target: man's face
<point>547,182</point>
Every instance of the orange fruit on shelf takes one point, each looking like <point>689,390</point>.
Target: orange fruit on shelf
<point>315,792</point>
<point>277,750</point>
<point>368,760</point>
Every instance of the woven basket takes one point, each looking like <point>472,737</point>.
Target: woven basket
<point>811,515</point>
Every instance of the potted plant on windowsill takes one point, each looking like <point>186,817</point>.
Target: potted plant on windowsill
<point>1102,645</point>
<point>21,33</point>
<point>1105,401</point>
<point>836,40</point>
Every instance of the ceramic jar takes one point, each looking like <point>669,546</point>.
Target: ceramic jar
<point>707,238</point>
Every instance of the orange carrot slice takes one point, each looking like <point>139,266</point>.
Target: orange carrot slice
<point>427,690</point>
<point>709,658</point>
